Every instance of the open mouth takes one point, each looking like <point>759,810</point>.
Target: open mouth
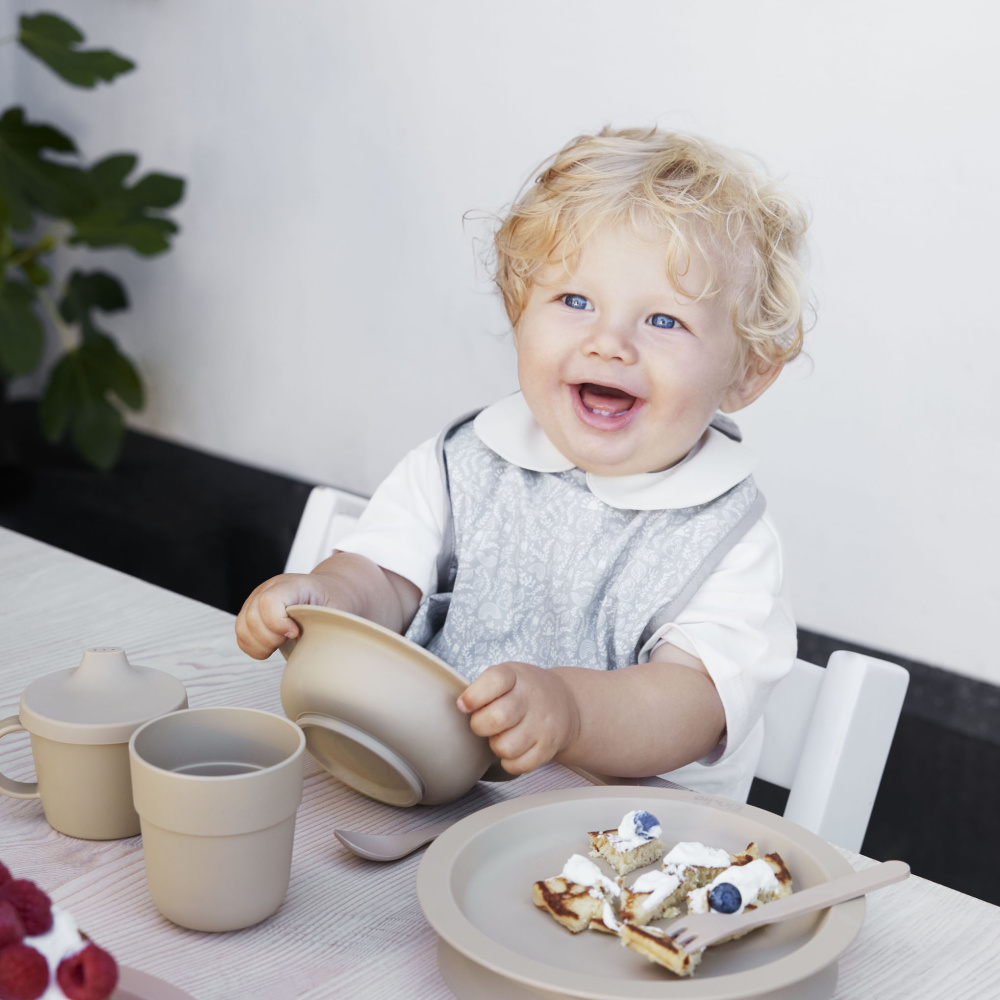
<point>605,400</point>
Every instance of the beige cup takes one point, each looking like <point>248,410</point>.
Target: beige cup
<point>216,790</point>
<point>80,721</point>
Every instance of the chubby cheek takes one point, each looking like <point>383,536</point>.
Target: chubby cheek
<point>702,382</point>
<point>537,372</point>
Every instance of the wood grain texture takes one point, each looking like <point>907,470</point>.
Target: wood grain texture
<point>349,927</point>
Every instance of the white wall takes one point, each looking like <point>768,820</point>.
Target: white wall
<point>324,310</point>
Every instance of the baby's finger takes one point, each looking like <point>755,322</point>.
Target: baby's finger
<point>499,716</point>
<point>492,683</point>
<point>513,743</point>
<point>258,637</point>
<point>532,756</point>
<point>252,646</point>
<point>254,639</point>
<point>271,608</point>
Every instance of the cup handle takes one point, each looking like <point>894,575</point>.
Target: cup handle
<point>8,786</point>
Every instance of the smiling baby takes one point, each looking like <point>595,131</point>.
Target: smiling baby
<point>592,552</point>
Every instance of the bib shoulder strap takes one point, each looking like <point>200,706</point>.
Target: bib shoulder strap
<point>447,564</point>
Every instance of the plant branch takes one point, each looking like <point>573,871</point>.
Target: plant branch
<point>49,241</point>
<point>64,332</point>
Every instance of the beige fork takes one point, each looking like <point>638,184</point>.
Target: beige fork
<point>698,930</point>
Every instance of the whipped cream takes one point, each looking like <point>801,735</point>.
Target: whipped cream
<point>691,854</point>
<point>659,885</point>
<point>60,941</point>
<point>628,837</point>
<point>751,880</point>
<point>583,871</point>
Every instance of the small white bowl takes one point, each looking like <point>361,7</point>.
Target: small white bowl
<point>378,711</point>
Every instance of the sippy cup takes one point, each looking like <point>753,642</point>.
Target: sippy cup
<point>80,721</point>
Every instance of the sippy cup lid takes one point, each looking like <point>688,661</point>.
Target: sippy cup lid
<point>103,700</point>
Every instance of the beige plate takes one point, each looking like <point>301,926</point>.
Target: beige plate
<point>474,885</point>
<point>135,985</point>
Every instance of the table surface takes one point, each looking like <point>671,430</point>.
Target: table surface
<point>920,939</point>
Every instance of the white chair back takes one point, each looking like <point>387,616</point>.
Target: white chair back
<point>329,514</point>
<point>827,729</point>
<point>827,734</point>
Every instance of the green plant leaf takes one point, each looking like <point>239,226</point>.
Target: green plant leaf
<point>158,191</point>
<point>60,398</point>
<point>22,335</point>
<point>98,430</point>
<point>108,175</point>
<point>30,180</point>
<point>39,275</point>
<point>87,291</point>
<point>111,371</point>
<point>76,397</point>
<point>54,41</point>
<point>124,216</point>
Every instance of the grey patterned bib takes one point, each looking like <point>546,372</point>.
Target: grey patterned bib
<point>537,569</point>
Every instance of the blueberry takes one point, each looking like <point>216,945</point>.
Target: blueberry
<point>645,823</point>
<point>725,898</point>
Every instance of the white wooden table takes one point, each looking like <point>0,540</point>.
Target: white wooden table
<point>349,928</point>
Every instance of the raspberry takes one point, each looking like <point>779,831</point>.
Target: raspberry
<point>32,905</point>
<point>11,928</point>
<point>5,875</point>
<point>90,974</point>
<point>24,973</point>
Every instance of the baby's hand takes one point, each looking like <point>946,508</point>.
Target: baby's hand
<point>528,714</point>
<point>262,625</point>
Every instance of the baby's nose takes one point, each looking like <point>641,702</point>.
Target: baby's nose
<point>612,342</point>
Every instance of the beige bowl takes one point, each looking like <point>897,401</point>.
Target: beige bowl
<point>378,711</point>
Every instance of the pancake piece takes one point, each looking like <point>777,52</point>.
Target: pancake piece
<point>746,888</point>
<point>635,844</point>
<point>738,888</point>
<point>607,922</point>
<point>743,887</point>
<point>657,947</point>
<point>576,897</point>
<point>570,903</point>
<point>651,896</point>
<point>688,866</point>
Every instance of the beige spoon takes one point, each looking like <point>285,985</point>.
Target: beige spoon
<point>393,846</point>
<point>390,846</point>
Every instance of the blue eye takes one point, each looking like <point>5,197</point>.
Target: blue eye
<point>576,301</point>
<point>664,322</point>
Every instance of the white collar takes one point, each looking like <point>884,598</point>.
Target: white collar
<point>716,464</point>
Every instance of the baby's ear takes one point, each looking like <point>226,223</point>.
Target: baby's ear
<point>757,376</point>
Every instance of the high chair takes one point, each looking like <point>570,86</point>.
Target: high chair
<point>827,733</point>
<point>828,730</point>
<point>328,515</point>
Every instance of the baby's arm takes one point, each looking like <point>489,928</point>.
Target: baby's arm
<point>344,581</point>
<point>401,527</point>
<point>656,716</point>
<point>646,719</point>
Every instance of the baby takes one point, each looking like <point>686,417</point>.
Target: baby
<point>591,552</point>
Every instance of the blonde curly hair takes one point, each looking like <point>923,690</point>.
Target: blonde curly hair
<point>708,201</point>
